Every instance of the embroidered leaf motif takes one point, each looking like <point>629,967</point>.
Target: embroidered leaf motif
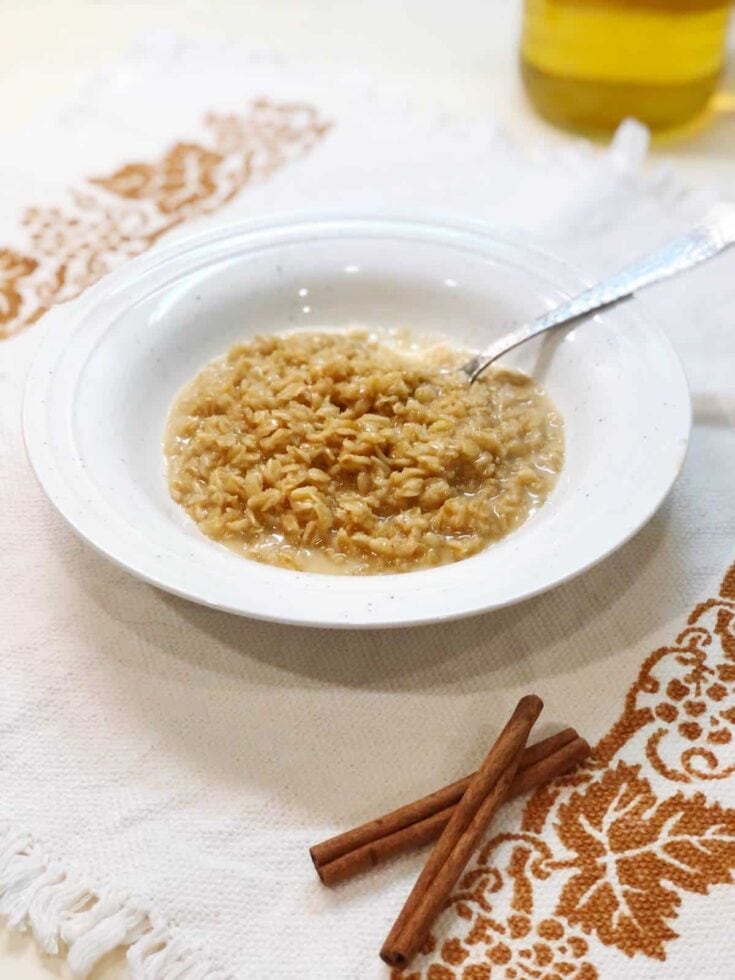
<point>636,854</point>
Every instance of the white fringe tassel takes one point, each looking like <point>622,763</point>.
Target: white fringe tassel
<point>67,915</point>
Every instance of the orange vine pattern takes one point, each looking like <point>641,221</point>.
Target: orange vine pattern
<point>605,857</point>
<point>108,219</point>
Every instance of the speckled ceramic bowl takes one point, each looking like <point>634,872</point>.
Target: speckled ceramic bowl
<point>101,386</point>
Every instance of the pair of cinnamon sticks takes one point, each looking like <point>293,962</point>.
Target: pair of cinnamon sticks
<point>457,815</point>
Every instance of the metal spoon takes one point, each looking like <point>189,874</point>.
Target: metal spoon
<point>703,242</point>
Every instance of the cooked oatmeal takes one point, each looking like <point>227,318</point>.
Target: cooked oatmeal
<point>339,452</point>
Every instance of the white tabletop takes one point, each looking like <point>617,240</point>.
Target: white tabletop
<point>460,55</point>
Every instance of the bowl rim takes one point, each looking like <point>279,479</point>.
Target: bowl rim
<point>442,227</point>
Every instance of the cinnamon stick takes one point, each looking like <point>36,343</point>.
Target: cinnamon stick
<point>433,898</point>
<point>424,808</point>
<point>424,831</point>
<point>461,835</point>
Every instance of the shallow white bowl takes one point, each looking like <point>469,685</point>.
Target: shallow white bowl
<point>98,394</point>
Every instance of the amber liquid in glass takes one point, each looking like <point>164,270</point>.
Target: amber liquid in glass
<point>589,64</point>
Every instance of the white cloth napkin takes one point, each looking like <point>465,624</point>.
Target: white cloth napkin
<point>165,767</point>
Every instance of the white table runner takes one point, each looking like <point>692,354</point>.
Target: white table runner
<point>165,767</point>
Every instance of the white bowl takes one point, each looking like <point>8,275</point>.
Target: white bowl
<point>99,390</point>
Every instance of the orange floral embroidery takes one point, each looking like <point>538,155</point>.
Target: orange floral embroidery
<point>684,696</point>
<point>186,176</point>
<point>496,933</point>
<point>608,851</point>
<point>13,269</point>
<point>635,854</point>
<point>111,218</point>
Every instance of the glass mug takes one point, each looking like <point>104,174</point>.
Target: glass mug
<point>588,64</point>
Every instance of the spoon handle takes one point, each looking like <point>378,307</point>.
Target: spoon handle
<point>703,242</point>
